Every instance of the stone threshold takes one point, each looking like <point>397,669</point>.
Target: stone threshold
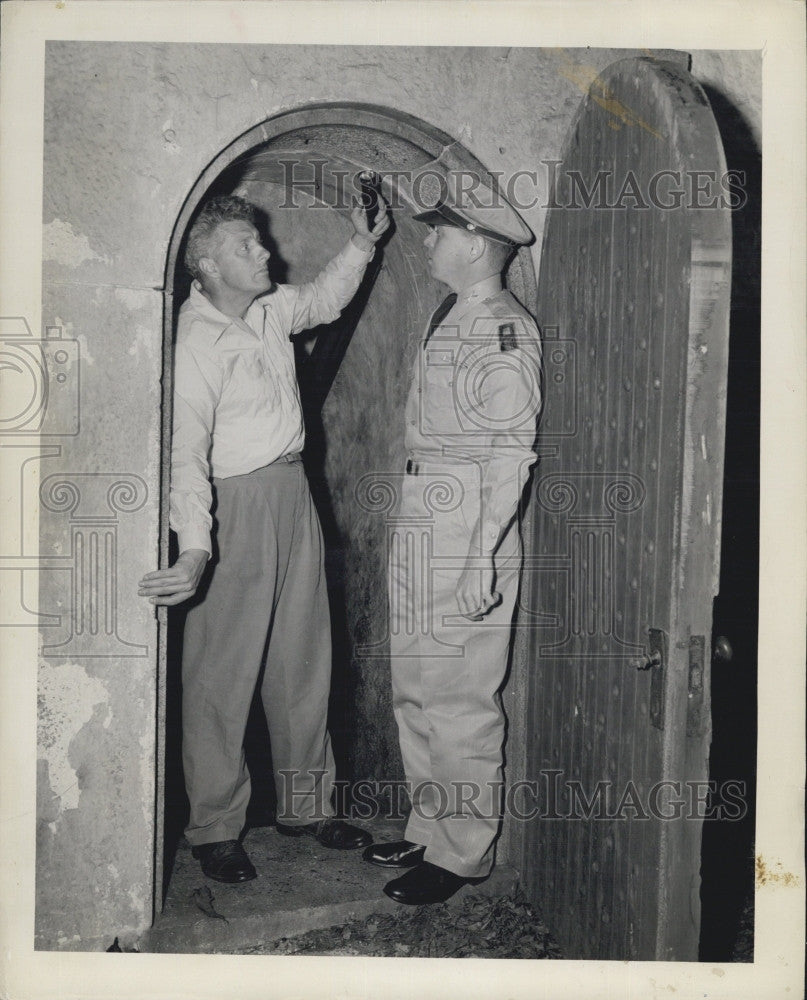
<point>301,886</point>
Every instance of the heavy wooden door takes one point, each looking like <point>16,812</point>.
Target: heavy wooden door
<point>623,555</point>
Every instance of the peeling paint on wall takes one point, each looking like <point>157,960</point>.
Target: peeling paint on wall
<point>67,697</point>
<point>146,776</point>
<point>63,246</point>
<point>143,340</point>
<point>68,333</point>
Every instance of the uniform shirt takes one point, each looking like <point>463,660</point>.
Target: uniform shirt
<point>476,396</point>
<point>236,398</point>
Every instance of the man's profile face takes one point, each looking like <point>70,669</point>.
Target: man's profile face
<point>447,248</point>
<point>240,258</point>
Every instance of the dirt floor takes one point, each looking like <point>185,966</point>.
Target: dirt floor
<point>481,927</point>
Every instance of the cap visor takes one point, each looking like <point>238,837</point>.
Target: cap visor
<point>432,218</point>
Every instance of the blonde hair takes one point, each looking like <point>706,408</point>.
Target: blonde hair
<point>202,238</point>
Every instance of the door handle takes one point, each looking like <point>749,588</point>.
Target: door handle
<point>654,659</point>
<point>723,651</point>
<point>656,664</point>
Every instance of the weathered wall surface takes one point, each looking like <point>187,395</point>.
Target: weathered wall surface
<point>128,130</point>
<point>99,498</point>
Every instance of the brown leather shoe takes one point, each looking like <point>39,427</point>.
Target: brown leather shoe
<point>330,832</point>
<point>225,861</point>
<point>396,854</point>
<point>427,883</point>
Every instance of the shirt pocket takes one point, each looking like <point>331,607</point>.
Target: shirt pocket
<point>437,398</point>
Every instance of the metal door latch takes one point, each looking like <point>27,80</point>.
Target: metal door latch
<point>697,679</point>
<point>657,661</point>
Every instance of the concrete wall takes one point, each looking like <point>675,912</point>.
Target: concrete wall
<point>128,130</point>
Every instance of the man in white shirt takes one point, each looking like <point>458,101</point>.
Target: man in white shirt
<point>238,421</point>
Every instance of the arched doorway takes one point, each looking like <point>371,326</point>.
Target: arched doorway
<point>298,168</point>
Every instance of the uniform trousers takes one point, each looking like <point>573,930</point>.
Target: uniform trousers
<point>447,671</point>
<point>267,601</point>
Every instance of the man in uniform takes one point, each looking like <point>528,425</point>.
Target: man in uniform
<point>237,420</point>
<point>470,433</point>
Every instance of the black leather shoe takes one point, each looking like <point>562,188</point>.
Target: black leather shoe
<point>396,854</point>
<point>426,884</point>
<point>334,833</point>
<point>225,861</point>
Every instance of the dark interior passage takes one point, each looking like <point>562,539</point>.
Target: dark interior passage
<point>728,871</point>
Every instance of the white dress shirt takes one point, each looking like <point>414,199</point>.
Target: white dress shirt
<point>236,398</point>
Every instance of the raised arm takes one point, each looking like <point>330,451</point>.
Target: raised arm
<point>323,299</point>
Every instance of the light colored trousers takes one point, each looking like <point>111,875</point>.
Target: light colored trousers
<point>447,671</point>
<point>267,599</point>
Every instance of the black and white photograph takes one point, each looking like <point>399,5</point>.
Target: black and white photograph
<point>403,480</point>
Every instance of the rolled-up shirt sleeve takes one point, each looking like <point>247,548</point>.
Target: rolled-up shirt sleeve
<point>323,299</point>
<point>197,388</point>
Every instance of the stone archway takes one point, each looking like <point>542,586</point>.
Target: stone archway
<point>310,151</point>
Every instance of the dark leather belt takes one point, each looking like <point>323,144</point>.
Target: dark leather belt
<point>295,456</point>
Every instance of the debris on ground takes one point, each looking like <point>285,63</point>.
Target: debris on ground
<point>115,946</point>
<point>204,898</point>
<point>478,927</point>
